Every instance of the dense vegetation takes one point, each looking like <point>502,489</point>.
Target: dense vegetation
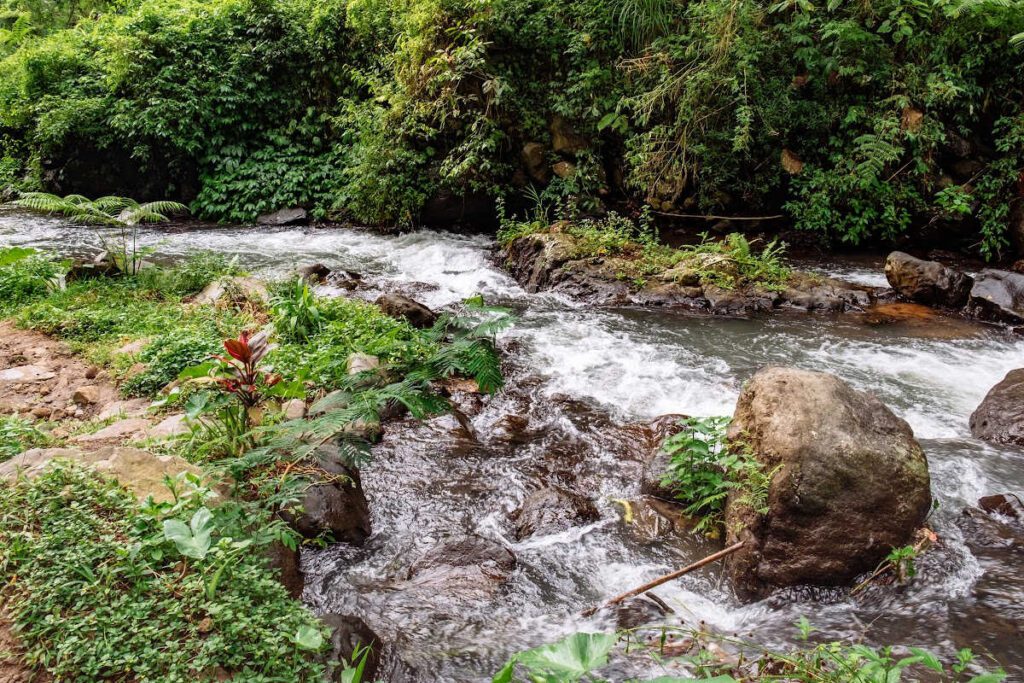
<point>99,586</point>
<point>857,120</point>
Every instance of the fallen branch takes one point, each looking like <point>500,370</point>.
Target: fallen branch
<point>710,217</point>
<point>666,578</point>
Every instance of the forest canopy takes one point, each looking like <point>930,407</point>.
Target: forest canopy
<point>858,120</point>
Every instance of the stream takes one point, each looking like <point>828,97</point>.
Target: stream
<point>577,377</point>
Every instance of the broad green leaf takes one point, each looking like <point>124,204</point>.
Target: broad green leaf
<point>571,657</point>
<point>309,637</point>
<point>989,678</point>
<point>194,540</point>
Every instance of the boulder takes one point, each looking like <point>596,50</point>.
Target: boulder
<point>476,558</point>
<point>564,138</point>
<point>25,374</point>
<point>140,472</point>
<point>534,160</point>
<point>238,287</point>
<point>294,409</point>
<point>361,362</point>
<point>1005,504</point>
<point>402,307</point>
<point>293,216</point>
<point>997,295</point>
<point>313,272</point>
<point>122,430</point>
<point>333,503</point>
<point>848,482</point>
<point>285,562</point>
<point>551,510</point>
<point>927,282</point>
<point>656,460</point>
<point>1000,417</point>
<point>170,426</point>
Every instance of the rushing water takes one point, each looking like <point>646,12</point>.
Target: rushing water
<point>578,372</point>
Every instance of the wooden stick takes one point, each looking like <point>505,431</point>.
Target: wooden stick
<point>667,577</point>
<point>712,217</point>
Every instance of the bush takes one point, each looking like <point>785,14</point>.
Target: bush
<point>25,275</point>
<point>167,355</point>
<point>168,592</point>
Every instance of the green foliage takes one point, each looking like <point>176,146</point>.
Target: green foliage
<point>295,312</point>
<point>18,435</point>
<point>349,326</point>
<point>369,108</point>
<point>167,355</point>
<point>164,592</point>
<point>103,211</point>
<point>26,275</point>
<point>703,470</point>
<point>581,656</point>
<point>745,266</point>
<point>189,276</point>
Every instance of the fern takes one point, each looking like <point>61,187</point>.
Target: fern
<point>110,210</point>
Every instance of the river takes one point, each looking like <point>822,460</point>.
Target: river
<point>576,372</point>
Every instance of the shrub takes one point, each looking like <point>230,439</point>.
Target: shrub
<point>25,275</point>
<point>296,315</point>
<point>167,355</point>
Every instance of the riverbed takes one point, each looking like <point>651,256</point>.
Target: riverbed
<point>576,376</point>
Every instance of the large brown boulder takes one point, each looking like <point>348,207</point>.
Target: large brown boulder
<point>141,472</point>
<point>1000,417</point>
<point>849,482</point>
<point>926,282</point>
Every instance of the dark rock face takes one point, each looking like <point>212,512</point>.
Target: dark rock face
<point>1000,417</point>
<point>850,482</point>
<point>468,569</point>
<point>492,558</point>
<point>294,216</point>
<point>926,282</point>
<point>548,262</point>
<point>314,272</point>
<point>286,562</point>
<point>551,510</point>
<point>998,295</point>
<point>348,634</point>
<point>402,307</point>
<point>334,503</point>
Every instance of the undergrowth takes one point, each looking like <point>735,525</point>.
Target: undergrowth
<point>100,588</point>
<point>700,656</point>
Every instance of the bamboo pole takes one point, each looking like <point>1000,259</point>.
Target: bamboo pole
<point>667,577</point>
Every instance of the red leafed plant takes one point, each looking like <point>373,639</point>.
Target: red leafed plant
<point>241,375</point>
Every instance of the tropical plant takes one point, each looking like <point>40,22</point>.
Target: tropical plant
<point>116,211</point>
<point>296,315</point>
<point>121,213</point>
<point>704,469</point>
<point>17,435</point>
<point>25,274</point>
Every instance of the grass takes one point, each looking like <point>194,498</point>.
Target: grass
<point>730,263</point>
<point>18,435</point>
